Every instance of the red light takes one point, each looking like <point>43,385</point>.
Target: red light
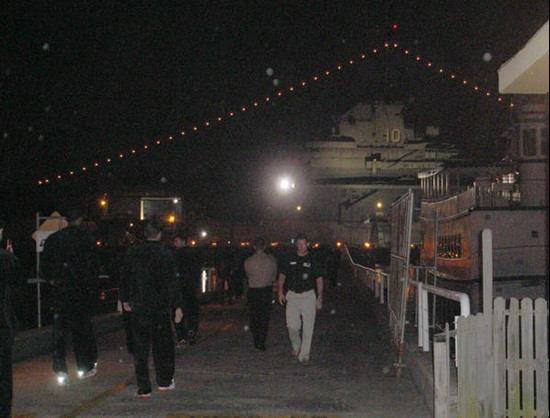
<point>395,26</point>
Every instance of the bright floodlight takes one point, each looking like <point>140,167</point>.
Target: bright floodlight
<point>285,184</point>
<point>204,234</point>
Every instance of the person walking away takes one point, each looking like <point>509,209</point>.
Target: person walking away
<point>303,275</point>
<point>261,271</point>
<point>150,291</point>
<point>69,262</point>
<point>10,277</point>
<point>189,269</point>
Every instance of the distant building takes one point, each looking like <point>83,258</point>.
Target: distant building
<point>372,158</point>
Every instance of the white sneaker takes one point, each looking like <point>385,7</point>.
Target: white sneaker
<point>84,375</point>
<point>143,395</point>
<point>171,386</point>
<point>62,379</point>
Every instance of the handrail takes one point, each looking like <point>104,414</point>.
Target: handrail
<point>362,266</point>
<point>375,284</point>
<point>463,298</point>
<point>422,307</point>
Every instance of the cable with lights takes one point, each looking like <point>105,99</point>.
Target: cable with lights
<point>185,133</point>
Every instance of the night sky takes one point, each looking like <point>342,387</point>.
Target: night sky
<point>83,81</point>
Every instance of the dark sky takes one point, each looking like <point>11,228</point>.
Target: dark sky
<point>83,81</point>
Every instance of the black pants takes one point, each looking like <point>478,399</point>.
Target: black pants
<point>127,321</point>
<point>153,329</point>
<point>188,327</point>
<point>259,305</point>
<point>6,379</point>
<point>74,320</point>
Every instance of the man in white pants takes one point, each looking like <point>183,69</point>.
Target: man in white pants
<point>303,275</point>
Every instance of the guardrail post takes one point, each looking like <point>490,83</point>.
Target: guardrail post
<point>425,321</point>
<point>419,312</point>
<point>376,285</point>
<point>487,263</point>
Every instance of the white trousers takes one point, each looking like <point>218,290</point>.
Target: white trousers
<point>300,314</point>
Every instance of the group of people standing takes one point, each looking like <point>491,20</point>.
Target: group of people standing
<point>157,292</point>
<point>158,286</point>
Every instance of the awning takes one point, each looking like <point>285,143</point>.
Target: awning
<point>527,71</point>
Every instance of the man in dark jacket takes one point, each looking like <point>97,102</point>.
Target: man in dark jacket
<point>9,277</point>
<point>69,262</point>
<point>149,289</point>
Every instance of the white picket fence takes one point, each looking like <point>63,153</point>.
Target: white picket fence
<point>502,363</point>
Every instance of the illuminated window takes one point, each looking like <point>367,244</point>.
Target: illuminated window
<point>509,178</point>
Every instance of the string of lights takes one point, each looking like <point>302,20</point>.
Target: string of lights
<point>316,78</point>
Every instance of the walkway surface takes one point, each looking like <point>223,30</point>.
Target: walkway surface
<point>351,375</point>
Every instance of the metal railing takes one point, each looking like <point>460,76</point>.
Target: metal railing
<point>422,305</point>
<point>376,280</point>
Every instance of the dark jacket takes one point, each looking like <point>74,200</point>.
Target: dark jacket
<point>149,279</point>
<point>69,261</point>
<point>10,276</point>
<point>189,264</point>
